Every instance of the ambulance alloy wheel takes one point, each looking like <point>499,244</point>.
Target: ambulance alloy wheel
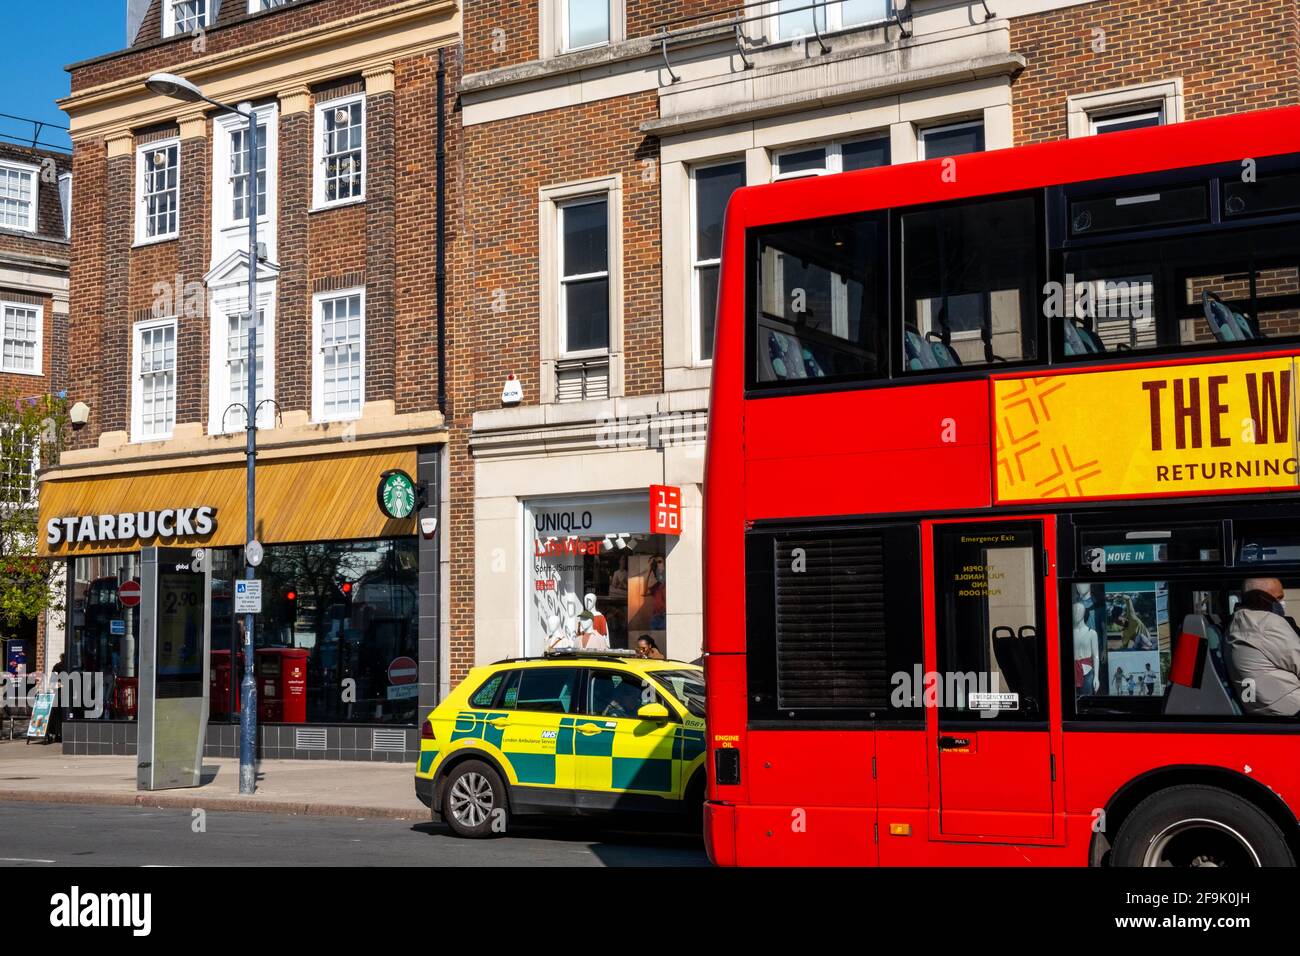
<point>1189,826</point>
<point>474,801</point>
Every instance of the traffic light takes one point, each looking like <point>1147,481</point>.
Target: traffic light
<point>343,600</point>
<point>291,604</point>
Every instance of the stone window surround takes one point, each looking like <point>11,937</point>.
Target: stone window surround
<point>224,301</point>
<point>902,116</point>
<point>549,200</point>
<point>1082,107</point>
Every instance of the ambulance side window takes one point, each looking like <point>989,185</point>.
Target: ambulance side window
<point>546,689</point>
<point>488,692</point>
<point>612,694</point>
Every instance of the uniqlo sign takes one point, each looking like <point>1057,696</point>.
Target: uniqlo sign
<point>665,509</point>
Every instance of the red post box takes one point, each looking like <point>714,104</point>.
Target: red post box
<point>126,694</point>
<point>219,685</point>
<point>282,685</point>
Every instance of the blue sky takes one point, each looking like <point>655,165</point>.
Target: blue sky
<point>44,36</point>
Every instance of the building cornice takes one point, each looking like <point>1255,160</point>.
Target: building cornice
<point>363,42</point>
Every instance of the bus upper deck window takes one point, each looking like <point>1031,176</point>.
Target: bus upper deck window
<point>970,284</point>
<point>1265,195</point>
<point>1139,209</point>
<point>820,302</point>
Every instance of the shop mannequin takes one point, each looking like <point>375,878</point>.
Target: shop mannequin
<point>598,622</point>
<point>1087,653</point>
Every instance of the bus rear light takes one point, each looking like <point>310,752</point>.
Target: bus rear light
<point>426,730</point>
<point>726,767</point>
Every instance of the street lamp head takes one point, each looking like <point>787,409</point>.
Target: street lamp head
<point>176,87</point>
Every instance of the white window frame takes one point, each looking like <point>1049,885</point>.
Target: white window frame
<point>564,29</point>
<point>925,131</point>
<point>318,175</point>
<point>35,467</point>
<point>261,6</point>
<point>832,151</point>
<point>230,234</point>
<point>227,302</point>
<point>562,280</point>
<point>318,354</point>
<point>33,174</point>
<point>38,368</point>
<point>142,238</point>
<point>1165,95</point>
<point>696,262</point>
<point>833,11</point>
<point>65,197</point>
<point>169,18</point>
<point>137,380</point>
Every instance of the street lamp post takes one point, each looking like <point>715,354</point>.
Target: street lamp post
<point>176,87</point>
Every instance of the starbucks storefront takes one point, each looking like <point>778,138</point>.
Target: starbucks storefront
<point>349,598</point>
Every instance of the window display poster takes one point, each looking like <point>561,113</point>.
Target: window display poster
<point>1137,616</point>
<point>596,577</point>
<point>1135,674</point>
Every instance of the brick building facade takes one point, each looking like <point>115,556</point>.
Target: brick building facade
<point>610,135</point>
<point>345,94</point>
<point>35,196</point>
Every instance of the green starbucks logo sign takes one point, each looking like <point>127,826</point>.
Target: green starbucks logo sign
<point>396,494</point>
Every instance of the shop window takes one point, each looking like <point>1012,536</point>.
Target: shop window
<point>970,295</point>
<point>834,625</point>
<point>989,623</point>
<point>821,302</point>
<point>712,187</point>
<point>598,578</point>
<point>103,639</point>
<point>353,606</point>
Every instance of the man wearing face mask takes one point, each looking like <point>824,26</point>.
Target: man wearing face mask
<point>1264,651</point>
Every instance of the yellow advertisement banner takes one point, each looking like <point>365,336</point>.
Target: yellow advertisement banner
<point>1150,432</point>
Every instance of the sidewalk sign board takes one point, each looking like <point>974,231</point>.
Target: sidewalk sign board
<point>38,728</point>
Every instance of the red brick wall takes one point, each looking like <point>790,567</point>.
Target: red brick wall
<point>1232,57</point>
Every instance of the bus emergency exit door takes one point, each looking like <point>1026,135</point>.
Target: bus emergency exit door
<point>991,648</point>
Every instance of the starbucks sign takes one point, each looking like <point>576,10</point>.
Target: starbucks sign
<point>397,494</point>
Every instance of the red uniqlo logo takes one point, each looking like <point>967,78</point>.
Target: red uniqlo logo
<point>665,509</point>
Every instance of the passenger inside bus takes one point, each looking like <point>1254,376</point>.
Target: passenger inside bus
<point>1264,651</point>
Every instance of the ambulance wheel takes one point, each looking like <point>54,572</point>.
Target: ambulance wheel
<point>1191,825</point>
<point>474,801</point>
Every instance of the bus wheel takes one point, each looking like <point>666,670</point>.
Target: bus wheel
<point>1192,825</point>
<point>474,804</point>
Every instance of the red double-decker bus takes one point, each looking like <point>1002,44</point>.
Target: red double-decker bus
<point>1001,497</point>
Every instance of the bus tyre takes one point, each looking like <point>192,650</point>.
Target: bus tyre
<point>1195,825</point>
<point>474,801</point>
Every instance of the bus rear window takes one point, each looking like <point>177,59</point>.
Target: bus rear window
<point>820,302</point>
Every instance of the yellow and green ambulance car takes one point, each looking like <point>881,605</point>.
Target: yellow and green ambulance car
<point>566,734</point>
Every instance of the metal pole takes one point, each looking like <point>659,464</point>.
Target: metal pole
<point>248,687</point>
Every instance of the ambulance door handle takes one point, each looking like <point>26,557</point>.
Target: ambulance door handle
<point>499,723</point>
<point>590,729</point>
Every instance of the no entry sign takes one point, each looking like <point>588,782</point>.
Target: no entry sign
<point>128,595</point>
<point>403,670</point>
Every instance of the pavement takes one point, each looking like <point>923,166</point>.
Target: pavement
<point>41,773</point>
